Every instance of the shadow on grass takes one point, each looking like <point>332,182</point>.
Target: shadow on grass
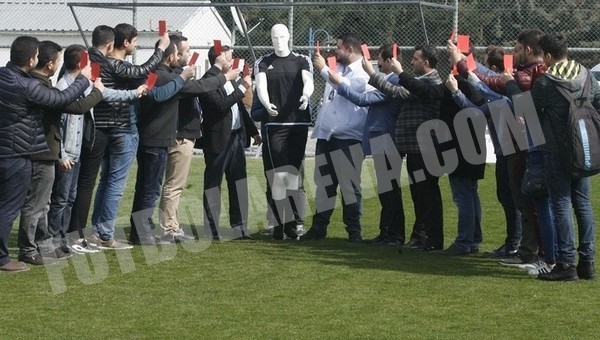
<point>339,252</point>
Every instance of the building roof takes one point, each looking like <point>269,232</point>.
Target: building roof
<point>57,16</point>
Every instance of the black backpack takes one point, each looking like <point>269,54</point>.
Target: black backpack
<point>580,150</point>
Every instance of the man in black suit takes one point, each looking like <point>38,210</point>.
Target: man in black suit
<point>225,128</point>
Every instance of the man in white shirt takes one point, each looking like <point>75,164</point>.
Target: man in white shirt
<point>339,131</point>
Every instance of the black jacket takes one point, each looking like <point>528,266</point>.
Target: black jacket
<point>189,125</point>
<point>157,123</point>
<point>120,75</point>
<point>21,129</point>
<point>51,117</point>
<point>216,107</point>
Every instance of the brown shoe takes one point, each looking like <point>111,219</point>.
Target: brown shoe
<point>14,266</point>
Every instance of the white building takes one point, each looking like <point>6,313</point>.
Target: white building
<point>54,20</point>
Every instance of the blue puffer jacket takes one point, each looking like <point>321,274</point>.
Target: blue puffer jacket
<point>21,129</point>
<point>119,75</point>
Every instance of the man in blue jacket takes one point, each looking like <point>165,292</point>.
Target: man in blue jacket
<point>21,132</point>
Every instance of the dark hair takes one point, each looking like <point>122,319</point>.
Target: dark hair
<point>102,35</point>
<point>495,57</point>
<point>554,43</point>
<point>48,51</point>
<point>350,40</point>
<point>177,39</point>
<point>124,32</point>
<point>22,49</point>
<point>212,56</point>
<point>72,57</point>
<point>531,38</point>
<point>170,49</point>
<point>429,53</point>
<point>387,53</point>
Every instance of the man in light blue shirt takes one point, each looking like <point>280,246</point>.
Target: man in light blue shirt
<point>339,131</point>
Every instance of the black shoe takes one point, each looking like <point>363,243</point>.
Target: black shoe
<point>560,272</point>
<point>289,229</point>
<point>278,233</point>
<point>58,254</point>
<point>355,237</point>
<point>586,270</point>
<point>454,250</point>
<point>313,234</point>
<point>34,259</point>
<point>379,239</point>
<point>474,250</point>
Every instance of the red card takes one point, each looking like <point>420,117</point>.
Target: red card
<point>365,51</point>
<point>463,43</point>
<point>162,27</point>
<point>454,70</point>
<point>508,63</point>
<point>236,63</point>
<point>471,65</point>
<point>95,71</point>
<point>395,51</point>
<point>318,47</point>
<point>246,70</point>
<point>152,77</point>
<point>83,60</point>
<point>193,59</point>
<point>218,47</point>
<point>453,35</point>
<point>332,62</point>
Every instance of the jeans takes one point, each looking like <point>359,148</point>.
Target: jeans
<point>15,177</point>
<point>567,193</point>
<point>511,214</point>
<point>118,158</point>
<point>466,199</point>
<point>152,163</point>
<point>33,225</point>
<point>61,201</point>
<point>535,160</point>
<point>338,162</point>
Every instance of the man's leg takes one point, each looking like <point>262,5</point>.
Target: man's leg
<point>15,177</point>
<point>178,166</point>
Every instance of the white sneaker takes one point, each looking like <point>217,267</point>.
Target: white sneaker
<point>543,268</point>
<point>268,230</point>
<point>300,229</point>
<point>82,246</point>
<point>531,266</point>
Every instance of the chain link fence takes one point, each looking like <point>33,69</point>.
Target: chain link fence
<point>407,23</point>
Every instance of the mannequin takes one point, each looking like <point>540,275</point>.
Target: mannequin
<point>284,84</point>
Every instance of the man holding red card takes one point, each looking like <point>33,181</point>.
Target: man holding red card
<point>339,132</point>
<point>284,84</point>
<point>227,128</point>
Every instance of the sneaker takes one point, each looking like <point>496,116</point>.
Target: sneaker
<point>268,230</point>
<point>300,229</point>
<point>561,272</point>
<point>35,259</point>
<point>58,254</point>
<point>114,244</point>
<point>454,250</point>
<point>515,260</point>
<point>499,253</point>
<point>414,244</point>
<point>380,239</point>
<point>586,270</point>
<point>355,237</point>
<point>82,246</point>
<point>541,267</point>
<point>94,240</point>
<point>14,267</point>
<point>178,236</point>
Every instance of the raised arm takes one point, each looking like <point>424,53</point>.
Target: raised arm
<point>53,98</point>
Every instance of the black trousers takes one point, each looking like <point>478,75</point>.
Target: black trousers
<point>231,162</point>
<point>427,201</point>
<point>90,158</point>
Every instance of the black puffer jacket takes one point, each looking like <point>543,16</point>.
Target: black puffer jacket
<point>119,75</point>
<point>21,129</point>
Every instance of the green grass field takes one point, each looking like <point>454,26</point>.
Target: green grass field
<point>262,289</point>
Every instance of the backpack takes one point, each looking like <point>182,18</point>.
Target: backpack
<point>580,151</point>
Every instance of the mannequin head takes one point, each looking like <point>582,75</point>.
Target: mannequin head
<point>280,37</point>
